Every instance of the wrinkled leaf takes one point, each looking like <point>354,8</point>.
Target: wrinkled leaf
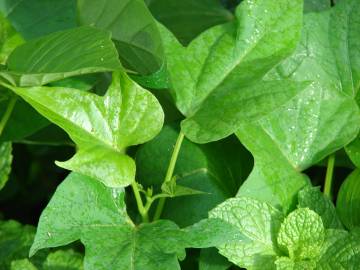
<point>42,60</point>
<point>301,234</point>
<point>213,78</point>
<point>5,162</point>
<point>133,29</point>
<point>102,127</point>
<point>348,200</point>
<point>285,263</point>
<point>257,221</point>
<point>312,198</point>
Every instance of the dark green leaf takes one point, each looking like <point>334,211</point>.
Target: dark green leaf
<point>348,201</point>
<point>133,29</point>
<point>210,259</point>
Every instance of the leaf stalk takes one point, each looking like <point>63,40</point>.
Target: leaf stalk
<point>329,176</point>
<point>7,114</point>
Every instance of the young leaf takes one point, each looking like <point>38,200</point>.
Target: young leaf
<point>46,16</point>
<point>5,162</point>
<point>137,40</point>
<point>217,169</point>
<point>23,264</point>
<point>84,209</point>
<point>102,127</point>
<point>285,263</point>
<point>302,234</point>
<point>312,198</point>
<point>257,221</point>
<point>187,18</point>
<point>213,78</point>
<point>348,200</point>
<point>58,55</point>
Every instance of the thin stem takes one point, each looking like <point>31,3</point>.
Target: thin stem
<point>7,114</point>
<point>143,212</point>
<point>169,173</point>
<point>329,176</point>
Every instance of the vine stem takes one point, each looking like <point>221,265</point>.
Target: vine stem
<point>142,210</point>
<point>7,114</point>
<point>329,176</point>
<point>169,173</point>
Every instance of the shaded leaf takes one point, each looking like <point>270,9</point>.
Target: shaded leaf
<point>348,200</point>
<point>9,39</point>
<point>137,40</point>
<point>63,259</point>
<point>23,264</point>
<point>210,259</point>
<point>312,198</point>
<point>257,221</point>
<point>102,127</point>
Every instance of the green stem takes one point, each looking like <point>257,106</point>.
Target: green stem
<point>169,173</point>
<point>142,210</point>
<point>329,176</point>
<point>7,114</point>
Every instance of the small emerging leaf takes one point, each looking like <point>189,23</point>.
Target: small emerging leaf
<point>5,162</point>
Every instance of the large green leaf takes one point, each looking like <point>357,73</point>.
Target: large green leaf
<point>217,169</point>
<point>302,234</point>
<point>348,200</point>
<point>317,122</point>
<point>84,209</point>
<point>312,198</point>
<point>257,221</point>
<point>216,79</point>
<point>5,162</point>
<point>133,29</point>
<point>46,16</point>
<point>187,18</point>
<point>102,127</point>
<point>316,5</point>
<point>60,55</point>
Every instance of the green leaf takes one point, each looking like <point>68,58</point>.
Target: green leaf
<point>23,264</point>
<point>46,16</point>
<point>59,55</point>
<point>210,259</point>
<point>340,251</point>
<point>187,18</point>
<point>213,78</point>
<point>137,40</point>
<point>353,151</point>
<point>9,39</point>
<point>5,162</point>
<point>348,203</point>
<point>217,169</point>
<point>302,234</point>
<point>63,259</point>
<point>316,5</point>
<point>84,209</point>
<point>285,263</point>
<point>314,199</point>
<point>317,122</point>
<point>257,221</point>
<point>102,127</point>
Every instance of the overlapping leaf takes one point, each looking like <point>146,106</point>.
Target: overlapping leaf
<point>215,79</point>
<point>84,209</point>
<point>102,127</point>
<point>5,162</point>
<point>60,55</point>
<point>320,120</point>
<point>133,29</point>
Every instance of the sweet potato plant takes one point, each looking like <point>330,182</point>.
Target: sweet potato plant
<point>193,134</point>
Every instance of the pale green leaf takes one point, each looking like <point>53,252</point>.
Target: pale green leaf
<point>353,151</point>
<point>84,209</point>
<point>133,29</point>
<point>102,127</point>
<point>5,162</point>
<point>348,200</point>
<point>213,76</point>
<point>316,5</point>
<point>285,263</point>
<point>63,260</point>
<point>302,234</point>
<point>23,264</point>
<point>60,55</point>
<point>314,199</point>
<point>257,221</point>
